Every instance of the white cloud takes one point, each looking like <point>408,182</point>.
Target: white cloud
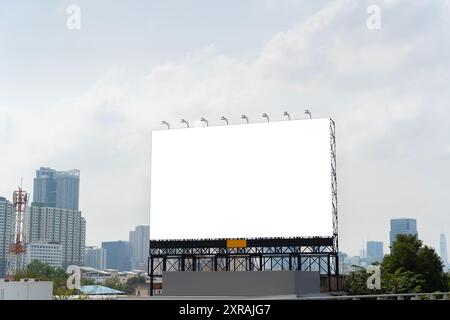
<point>377,85</point>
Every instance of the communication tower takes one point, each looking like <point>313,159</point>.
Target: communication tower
<point>17,247</point>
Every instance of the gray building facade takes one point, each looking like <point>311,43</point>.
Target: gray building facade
<point>118,255</point>
<point>64,226</point>
<point>57,189</point>
<point>139,242</point>
<point>6,233</point>
<point>95,258</point>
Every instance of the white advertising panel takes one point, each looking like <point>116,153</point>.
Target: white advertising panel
<point>258,180</point>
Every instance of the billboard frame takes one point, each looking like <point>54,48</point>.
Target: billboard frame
<point>299,253</point>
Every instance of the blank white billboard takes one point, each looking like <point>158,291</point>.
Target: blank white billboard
<point>259,180</point>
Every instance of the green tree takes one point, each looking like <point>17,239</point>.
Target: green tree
<point>133,282</point>
<point>87,282</point>
<point>401,281</point>
<point>356,282</point>
<point>409,255</point>
<point>431,267</point>
<point>115,283</point>
<point>44,272</point>
<point>136,280</point>
<point>404,252</point>
<point>410,268</point>
<point>127,287</point>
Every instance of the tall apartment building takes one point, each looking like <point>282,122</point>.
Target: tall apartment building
<point>95,258</point>
<point>443,249</point>
<point>57,189</point>
<point>402,226</point>
<point>64,226</point>
<point>139,242</point>
<point>47,252</point>
<point>6,232</point>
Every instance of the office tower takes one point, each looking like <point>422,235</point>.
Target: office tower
<point>402,226</point>
<point>65,226</point>
<point>139,242</point>
<point>374,251</point>
<point>95,258</point>
<point>57,189</point>
<point>47,252</point>
<point>118,255</point>
<point>443,249</point>
<point>6,233</point>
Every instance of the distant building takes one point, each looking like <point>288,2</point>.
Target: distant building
<point>6,233</point>
<point>65,226</point>
<point>402,226</point>
<point>374,251</point>
<point>139,242</point>
<point>95,258</point>
<point>98,276</point>
<point>443,249</point>
<point>118,255</point>
<point>351,264</point>
<point>47,252</point>
<point>57,189</point>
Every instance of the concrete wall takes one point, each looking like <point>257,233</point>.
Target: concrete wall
<point>14,290</point>
<point>242,283</point>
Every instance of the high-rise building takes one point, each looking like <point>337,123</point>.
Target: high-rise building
<point>374,251</point>
<point>65,226</point>
<point>57,189</point>
<point>443,249</point>
<point>95,258</point>
<point>139,242</point>
<point>118,255</point>
<point>6,233</point>
<point>47,252</point>
<point>402,226</point>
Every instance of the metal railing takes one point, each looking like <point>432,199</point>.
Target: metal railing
<point>396,296</point>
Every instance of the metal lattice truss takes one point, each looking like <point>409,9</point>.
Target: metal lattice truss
<point>278,260</point>
<point>334,183</point>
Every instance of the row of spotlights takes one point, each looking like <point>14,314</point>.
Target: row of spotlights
<point>244,117</point>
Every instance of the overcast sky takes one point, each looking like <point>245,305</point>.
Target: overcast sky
<point>89,98</point>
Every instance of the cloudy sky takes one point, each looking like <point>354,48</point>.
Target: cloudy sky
<point>89,98</point>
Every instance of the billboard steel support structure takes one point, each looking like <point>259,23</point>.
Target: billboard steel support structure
<point>299,254</point>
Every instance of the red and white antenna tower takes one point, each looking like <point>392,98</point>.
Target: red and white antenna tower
<point>17,248</point>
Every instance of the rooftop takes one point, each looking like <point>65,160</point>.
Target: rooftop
<point>99,290</point>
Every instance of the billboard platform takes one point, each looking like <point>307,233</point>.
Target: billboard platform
<point>247,283</point>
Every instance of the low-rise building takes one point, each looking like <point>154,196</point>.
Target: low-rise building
<point>47,252</point>
<point>26,289</point>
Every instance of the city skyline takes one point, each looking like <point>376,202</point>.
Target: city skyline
<point>167,61</point>
<point>385,248</point>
